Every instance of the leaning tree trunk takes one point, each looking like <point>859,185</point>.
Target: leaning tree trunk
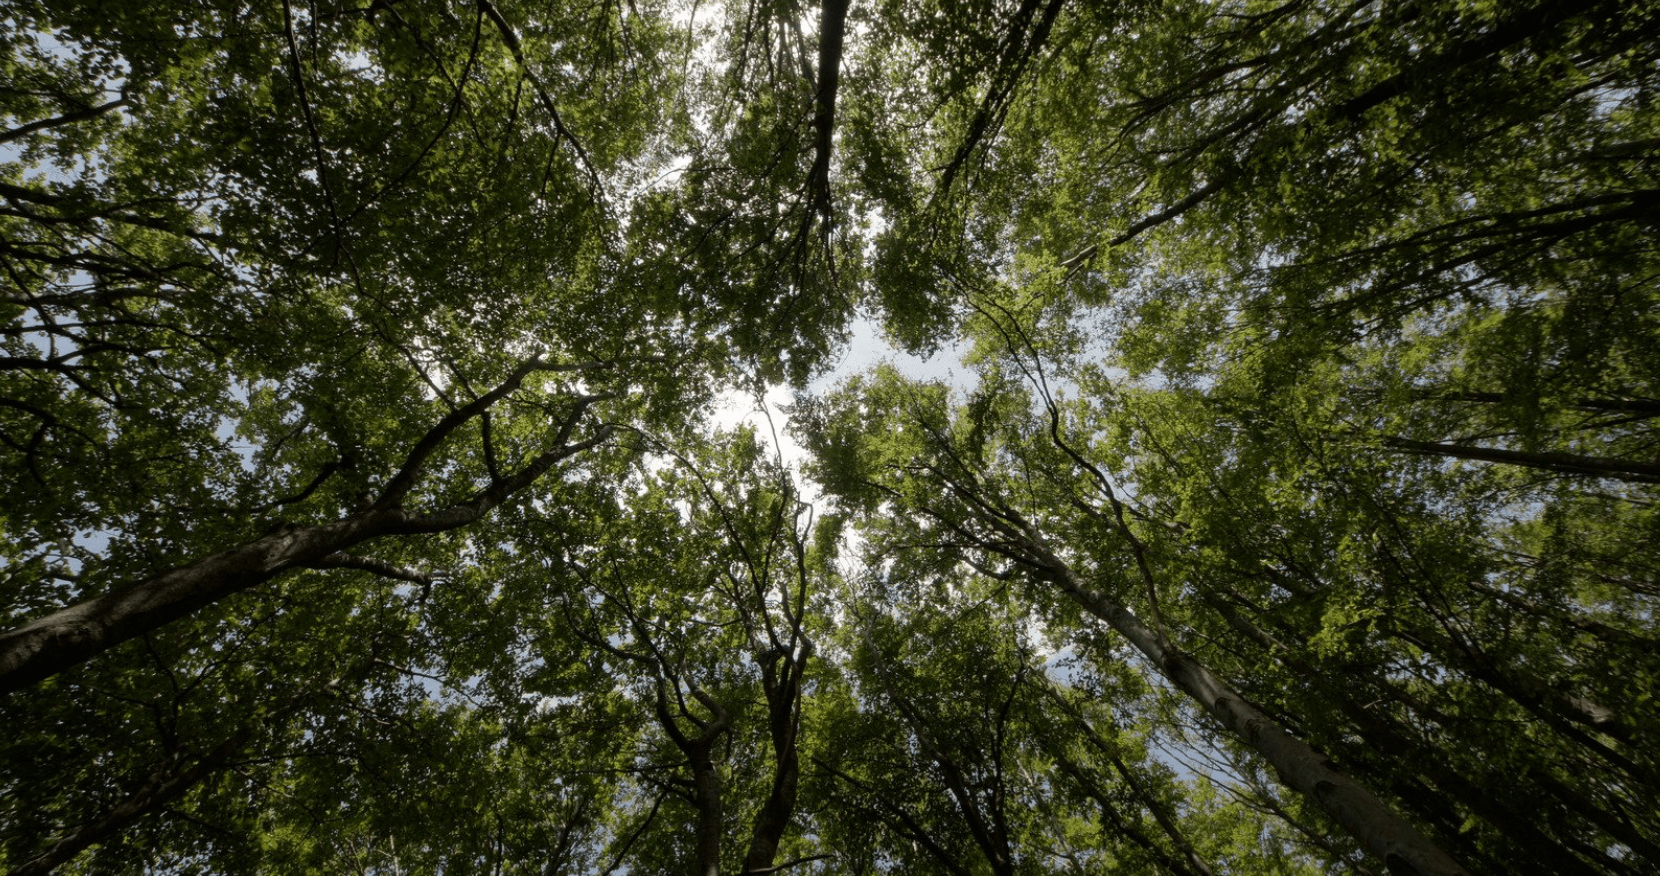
<point>1564,463</point>
<point>68,637</point>
<point>1372,823</point>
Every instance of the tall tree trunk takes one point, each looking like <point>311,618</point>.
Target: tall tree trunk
<point>784,720</point>
<point>832,29</point>
<point>1377,828</point>
<point>1566,463</point>
<point>1554,707</point>
<point>1381,735</point>
<point>1645,406</point>
<point>706,789</point>
<point>66,638</point>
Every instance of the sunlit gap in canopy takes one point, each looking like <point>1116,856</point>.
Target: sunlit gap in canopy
<point>770,416</point>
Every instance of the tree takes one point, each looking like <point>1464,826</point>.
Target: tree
<point>365,513</point>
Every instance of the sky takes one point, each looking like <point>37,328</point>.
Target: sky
<point>867,348</point>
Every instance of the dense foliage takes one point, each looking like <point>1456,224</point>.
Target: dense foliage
<point>364,511</point>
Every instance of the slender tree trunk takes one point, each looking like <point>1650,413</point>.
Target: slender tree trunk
<point>990,834</point>
<point>1529,691</point>
<point>1613,405</point>
<point>1385,738</point>
<point>1608,635</point>
<point>69,118</point>
<point>774,817</point>
<point>902,824</point>
<point>1316,838</point>
<point>832,30</point>
<point>1377,828</point>
<point>1617,827</point>
<point>1566,463</point>
<point>66,638</point>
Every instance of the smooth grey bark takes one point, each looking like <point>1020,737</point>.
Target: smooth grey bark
<point>70,636</point>
<point>1565,463</point>
<point>1373,824</point>
<point>1378,829</point>
<point>1385,737</point>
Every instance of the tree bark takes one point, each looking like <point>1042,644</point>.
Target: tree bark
<point>990,834</point>
<point>1565,463</point>
<point>66,638</point>
<point>832,31</point>
<point>784,716</point>
<point>69,118</point>
<point>706,785</point>
<point>1645,406</point>
<point>1378,829</point>
<point>1383,736</point>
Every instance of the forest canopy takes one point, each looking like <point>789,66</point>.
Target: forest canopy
<point>1294,510</point>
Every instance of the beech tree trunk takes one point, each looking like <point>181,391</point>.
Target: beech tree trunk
<point>68,637</point>
<point>1566,463</point>
<point>706,787</point>
<point>1385,737</point>
<point>1378,829</point>
<point>784,721</point>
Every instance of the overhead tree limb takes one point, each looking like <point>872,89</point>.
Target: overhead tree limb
<point>1565,463</point>
<point>1016,55</point>
<point>375,567</point>
<point>511,38</point>
<point>67,637</point>
<point>69,118</point>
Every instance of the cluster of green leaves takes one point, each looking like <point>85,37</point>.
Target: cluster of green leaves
<point>1319,319</point>
<point>354,405</point>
